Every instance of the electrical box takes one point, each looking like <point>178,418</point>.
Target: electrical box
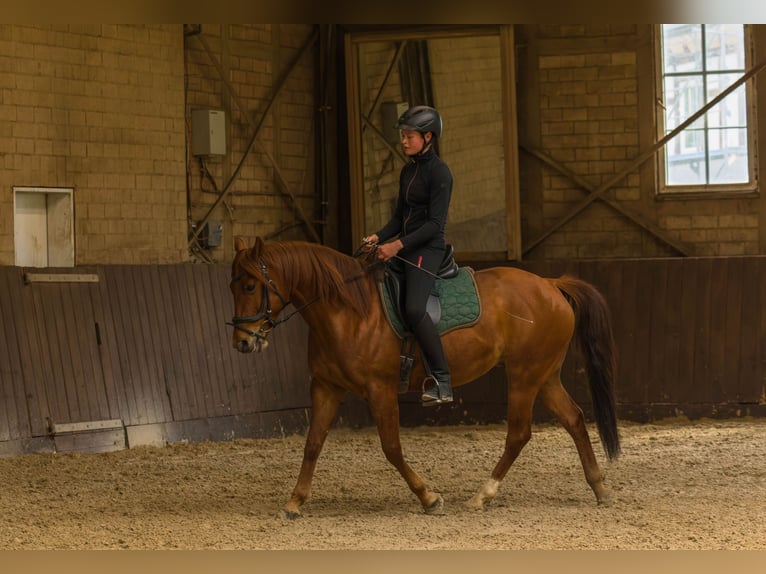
<point>208,132</point>
<point>391,111</point>
<point>212,234</point>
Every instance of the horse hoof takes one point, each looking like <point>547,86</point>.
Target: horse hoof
<point>474,504</point>
<point>437,507</point>
<point>605,502</point>
<point>285,514</point>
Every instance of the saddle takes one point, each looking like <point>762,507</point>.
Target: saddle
<point>452,303</point>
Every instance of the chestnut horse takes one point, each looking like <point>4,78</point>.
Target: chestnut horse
<point>526,323</point>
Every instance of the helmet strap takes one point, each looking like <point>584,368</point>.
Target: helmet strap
<point>426,144</point>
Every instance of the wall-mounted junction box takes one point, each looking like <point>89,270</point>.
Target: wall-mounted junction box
<point>208,132</point>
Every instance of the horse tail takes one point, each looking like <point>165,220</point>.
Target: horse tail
<point>594,337</point>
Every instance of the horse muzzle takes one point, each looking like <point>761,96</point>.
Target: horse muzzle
<point>250,345</point>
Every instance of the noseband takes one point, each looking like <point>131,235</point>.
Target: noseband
<point>265,312</point>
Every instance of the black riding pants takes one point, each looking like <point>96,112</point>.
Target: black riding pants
<point>417,287</point>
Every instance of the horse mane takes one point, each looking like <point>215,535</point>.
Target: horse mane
<point>333,276</point>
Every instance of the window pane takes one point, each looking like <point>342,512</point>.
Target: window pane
<point>683,97</point>
<point>686,159</point>
<point>725,47</point>
<point>728,156</point>
<point>732,111</point>
<point>700,61</point>
<point>682,48</point>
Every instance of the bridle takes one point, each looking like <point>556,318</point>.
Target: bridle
<point>265,312</point>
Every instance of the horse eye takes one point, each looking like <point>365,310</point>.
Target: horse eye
<point>250,288</point>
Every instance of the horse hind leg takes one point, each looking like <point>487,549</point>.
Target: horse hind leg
<point>325,400</point>
<point>558,401</point>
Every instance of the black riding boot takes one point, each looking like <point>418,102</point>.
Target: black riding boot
<point>436,364</point>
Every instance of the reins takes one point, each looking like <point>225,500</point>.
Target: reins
<point>265,311</point>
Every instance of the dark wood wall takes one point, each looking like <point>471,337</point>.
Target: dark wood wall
<point>145,345</point>
<point>142,355</point>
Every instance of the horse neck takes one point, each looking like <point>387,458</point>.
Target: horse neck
<point>304,282</point>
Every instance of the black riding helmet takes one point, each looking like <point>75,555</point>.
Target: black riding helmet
<point>421,119</point>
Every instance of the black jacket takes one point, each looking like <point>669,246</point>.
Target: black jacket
<point>425,189</point>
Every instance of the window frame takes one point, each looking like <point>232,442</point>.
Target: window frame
<point>707,190</point>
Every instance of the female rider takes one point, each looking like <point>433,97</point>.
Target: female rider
<point>415,233</point>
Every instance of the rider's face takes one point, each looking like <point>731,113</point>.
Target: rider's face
<point>413,142</point>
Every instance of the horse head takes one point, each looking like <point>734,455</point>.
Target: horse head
<point>257,298</point>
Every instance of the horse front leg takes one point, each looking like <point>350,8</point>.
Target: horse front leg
<point>384,407</point>
<point>325,400</point>
<point>520,403</point>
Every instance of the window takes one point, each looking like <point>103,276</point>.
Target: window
<point>43,230</point>
<point>696,63</point>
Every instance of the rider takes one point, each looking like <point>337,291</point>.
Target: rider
<point>418,222</point>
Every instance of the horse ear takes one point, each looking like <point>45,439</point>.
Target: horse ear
<point>258,247</point>
<point>239,244</point>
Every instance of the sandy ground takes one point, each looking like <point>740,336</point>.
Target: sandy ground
<point>678,485</point>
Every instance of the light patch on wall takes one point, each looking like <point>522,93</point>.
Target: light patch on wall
<point>43,227</point>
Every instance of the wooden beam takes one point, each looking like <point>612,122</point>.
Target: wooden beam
<point>86,426</point>
<point>60,278</point>
<point>637,218</point>
<point>257,128</point>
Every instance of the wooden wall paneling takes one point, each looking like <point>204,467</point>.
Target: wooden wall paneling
<point>703,338</point>
<point>107,347</point>
<point>147,350</point>
<point>10,368</point>
<point>206,375</point>
<point>730,388</point>
<point>155,340</point>
<point>130,326</point>
<point>658,316</point>
<point>77,391</point>
<point>124,342</point>
<point>718,333</point>
<point>218,278</point>
<point>172,351</point>
<point>210,340</point>
<point>686,297</point>
<point>189,322</point>
<point>53,331</point>
<point>33,360</point>
<point>749,384</point>
<point>632,339</point>
<point>83,329</point>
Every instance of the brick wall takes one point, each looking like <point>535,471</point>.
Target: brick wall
<point>586,99</point>
<point>467,91</point>
<point>254,58</point>
<point>98,108</point>
<point>103,109</point>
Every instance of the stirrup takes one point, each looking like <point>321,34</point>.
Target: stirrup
<point>437,394</point>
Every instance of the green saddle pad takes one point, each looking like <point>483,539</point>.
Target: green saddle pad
<point>460,305</point>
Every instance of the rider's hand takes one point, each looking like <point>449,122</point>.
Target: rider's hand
<point>369,243</point>
<point>388,250</point>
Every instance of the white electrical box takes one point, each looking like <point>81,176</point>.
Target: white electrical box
<point>208,132</point>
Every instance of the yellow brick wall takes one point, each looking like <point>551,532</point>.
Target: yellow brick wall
<point>98,108</point>
<point>254,57</point>
<point>586,99</point>
<point>105,110</point>
<point>466,74</point>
